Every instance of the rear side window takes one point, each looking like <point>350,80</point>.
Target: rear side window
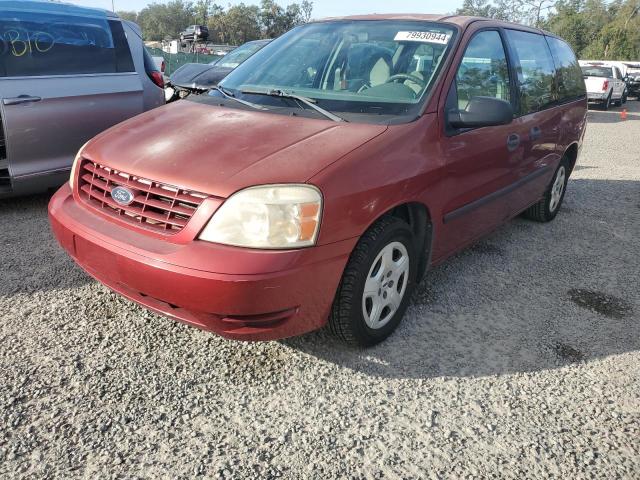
<point>484,70</point>
<point>569,75</point>
<point>44,44</point>
<point>536,70</point>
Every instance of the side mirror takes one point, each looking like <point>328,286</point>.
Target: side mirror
<point>481,112</point>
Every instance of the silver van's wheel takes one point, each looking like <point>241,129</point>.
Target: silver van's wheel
<point>386,285</point>
<point>376,285</point>
<point>548,206</point>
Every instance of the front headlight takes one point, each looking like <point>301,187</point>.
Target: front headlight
<point>74,166</point>
<point>267,216</point>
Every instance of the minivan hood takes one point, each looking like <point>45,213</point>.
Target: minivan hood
<point>218,150</point>
<point>198,75</point>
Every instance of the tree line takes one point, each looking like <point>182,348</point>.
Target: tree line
<point>234,25</point>
<point>596,29</point>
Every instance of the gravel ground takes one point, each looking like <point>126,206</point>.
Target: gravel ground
<point>520,357</point>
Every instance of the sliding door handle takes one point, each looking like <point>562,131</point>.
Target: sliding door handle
<point>21,99</point>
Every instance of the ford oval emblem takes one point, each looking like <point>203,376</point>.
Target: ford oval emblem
<point>123,196</point>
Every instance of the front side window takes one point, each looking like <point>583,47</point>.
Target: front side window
<point>36,43</point>
<point>483,71</point>
<point>365,67</point>
<point>569,75</point>
<point>536,70</point>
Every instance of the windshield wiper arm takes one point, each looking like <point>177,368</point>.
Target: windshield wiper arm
<point>310,102</point>
<point>233,97</point>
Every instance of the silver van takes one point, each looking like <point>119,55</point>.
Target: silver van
<point>66,74</point>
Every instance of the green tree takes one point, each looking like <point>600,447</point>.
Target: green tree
<point>132,16</point>
<point>159,20</point>
<point>477,8</point>
<point>242,23</point>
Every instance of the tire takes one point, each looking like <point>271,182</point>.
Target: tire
<point>607,103</point>
<point>549,205</point>
<point>388,239</point>
<point>618,103</point>
<point>625,97</point>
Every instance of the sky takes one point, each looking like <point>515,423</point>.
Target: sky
<point>321,8</point>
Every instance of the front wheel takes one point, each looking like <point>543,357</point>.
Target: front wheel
<point>547,208</point>
<point>376,285</point>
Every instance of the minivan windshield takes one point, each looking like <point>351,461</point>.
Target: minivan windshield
<point>377,67</point>
<point>239,55</point>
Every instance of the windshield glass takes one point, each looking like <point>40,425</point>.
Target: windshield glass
<point>604,72</point>
<point>239,55</point>
<point>382,67</point>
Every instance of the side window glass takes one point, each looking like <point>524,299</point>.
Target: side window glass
<point>35,43</point>
<point>569,74</point>
<point>536,70</point>
<point>484,70</point>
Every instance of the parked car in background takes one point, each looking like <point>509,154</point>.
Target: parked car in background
<point>194,33</point>
<point>327,173</point>
<point>196,78</point>
<point>605,84</point>
<point>633,79</point>
<point>66,74</point>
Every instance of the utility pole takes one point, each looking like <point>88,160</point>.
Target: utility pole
<point>113,5</point>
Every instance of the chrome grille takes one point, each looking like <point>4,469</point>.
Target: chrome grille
<point>156,206</point>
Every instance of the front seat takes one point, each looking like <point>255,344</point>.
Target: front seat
<point>380,71</point>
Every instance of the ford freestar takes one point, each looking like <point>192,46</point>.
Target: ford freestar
<point>326,174</point>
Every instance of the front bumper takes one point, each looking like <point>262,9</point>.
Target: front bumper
<point>238,293</point>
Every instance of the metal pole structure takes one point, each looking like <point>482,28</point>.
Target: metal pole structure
<point>113,5</point>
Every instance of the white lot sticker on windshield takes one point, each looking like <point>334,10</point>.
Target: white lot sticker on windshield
<point>426,37</point>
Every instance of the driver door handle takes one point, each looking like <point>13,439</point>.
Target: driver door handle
<point>513,141</point>
<point>21,99</point>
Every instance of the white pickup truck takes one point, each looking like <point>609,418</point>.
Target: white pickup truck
<point>605,84</point>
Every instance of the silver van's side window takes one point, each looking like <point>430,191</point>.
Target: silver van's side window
<point>36,43</point>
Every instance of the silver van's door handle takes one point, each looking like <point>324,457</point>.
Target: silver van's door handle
<point>21,99</point>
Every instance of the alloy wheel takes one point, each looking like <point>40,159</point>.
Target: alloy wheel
<point>557,188</point>
<point>385,285</point>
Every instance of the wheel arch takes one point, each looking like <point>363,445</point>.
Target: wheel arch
<point>571,153</point>
<point>419,218</point>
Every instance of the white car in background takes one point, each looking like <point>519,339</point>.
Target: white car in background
<point>605,83</point>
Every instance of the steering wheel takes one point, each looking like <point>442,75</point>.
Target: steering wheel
<point>407,76</point>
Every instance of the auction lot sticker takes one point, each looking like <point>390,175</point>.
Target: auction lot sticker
<point>426,37</point>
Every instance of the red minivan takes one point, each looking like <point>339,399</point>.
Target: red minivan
<point>326,174</point>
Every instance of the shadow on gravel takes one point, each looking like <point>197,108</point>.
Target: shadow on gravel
<point>530,297</point>
<point>32,260</point>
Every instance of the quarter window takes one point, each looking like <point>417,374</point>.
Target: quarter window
<point>35,43</point>
<point>484,70</point>
<point>569,75</point>
<point>536,71</point>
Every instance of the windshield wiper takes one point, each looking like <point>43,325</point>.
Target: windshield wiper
<point>310,102</point>
<point>233,97</point>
